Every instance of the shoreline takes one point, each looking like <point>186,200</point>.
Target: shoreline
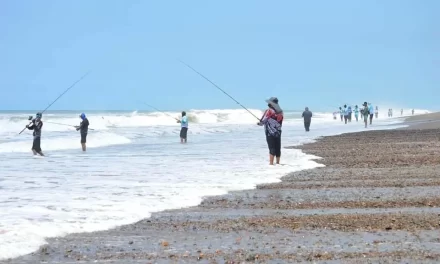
<point>378,193</point>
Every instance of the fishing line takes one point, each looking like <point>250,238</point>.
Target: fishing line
<point>64,124</point>
<point>219,89</point>
<point>59,97</point>
<point>160,111</point>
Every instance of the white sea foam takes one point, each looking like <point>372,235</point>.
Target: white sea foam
<point>135,166</point>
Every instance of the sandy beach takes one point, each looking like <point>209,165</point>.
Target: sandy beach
<point>376,200</point>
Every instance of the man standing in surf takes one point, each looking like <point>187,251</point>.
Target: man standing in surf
<point>272,121</point>
<point>84,129</point>
<point>36,126</point>
<point>184,128</point>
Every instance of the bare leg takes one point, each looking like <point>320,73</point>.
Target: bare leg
<point>41,153</point>
<point>83,145</point>
<point>278,160</point>
<point>35,153</point>
<point>271,157</point>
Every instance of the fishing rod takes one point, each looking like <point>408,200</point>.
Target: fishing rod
<point>59,97</point>
<point>160,111</point>
<point>65,125</point>
<point>219,88</point>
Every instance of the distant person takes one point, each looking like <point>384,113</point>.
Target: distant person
<point>401,112</point>
<point>366,113</point>
<point>376,112</point>
<point>273,121</point>
<point>346,113</point>
<point>391,112</point>
<point>36,126</point>
<point>350,113</point>
<point>371,111</point>
<point>341,113</point>
<point>83,129</point>
<point>356,113</point>
<point>184,128</point>
<point>413,112</point>
<point>307,115</point>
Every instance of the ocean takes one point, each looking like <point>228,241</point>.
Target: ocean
<point>135,165</point>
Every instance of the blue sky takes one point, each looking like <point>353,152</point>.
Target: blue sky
<point>315,53</point>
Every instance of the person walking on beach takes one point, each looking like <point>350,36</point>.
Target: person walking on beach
<point>36,126</point>
<point>184,127</point>
<point>341,113</point>
<point>307,115</point>
<point>413,112</point>
<point>273,121</point>
<point>350,113</point>
<point>365,112</point>
<point>376,112</point>
<point>346,113</point>
<point>83,129</point>
<point>371,111</point>
<point>356,113</point>
<point>401,112</point>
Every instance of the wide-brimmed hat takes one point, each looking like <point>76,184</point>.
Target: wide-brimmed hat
<point>273,101</point>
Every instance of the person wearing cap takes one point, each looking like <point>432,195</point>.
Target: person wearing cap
<point>366,113</point>
<point>36,125</point>
<point>307,115</point>
<point>272,121</point>
<point>83,129</point>
<point>184,127</point>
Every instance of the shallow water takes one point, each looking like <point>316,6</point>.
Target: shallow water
<point>134,166</point>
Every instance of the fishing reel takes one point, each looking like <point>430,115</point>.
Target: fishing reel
<point>30,118</point>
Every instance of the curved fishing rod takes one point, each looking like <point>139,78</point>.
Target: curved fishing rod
<point>59,97</point>
<point>64,125</point>
<point>160,111</point>
<point>219,89</point>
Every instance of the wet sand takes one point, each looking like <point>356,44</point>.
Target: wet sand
<point>376,200</point>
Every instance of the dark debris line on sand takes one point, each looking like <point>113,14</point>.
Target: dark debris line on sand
<point>377,199</point>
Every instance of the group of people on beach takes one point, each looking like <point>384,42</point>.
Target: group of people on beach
<point>272,121</point>
<point>367,112</point>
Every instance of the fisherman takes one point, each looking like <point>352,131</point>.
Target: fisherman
<point>341,113</point>
<point>371,111</point>
<point>184,129</point>
<point>84,129</point>
<point>36,126</point>
<point>307,115</point>
<point>273,121</point>
<point>356,113</point>
<point>365,112</point>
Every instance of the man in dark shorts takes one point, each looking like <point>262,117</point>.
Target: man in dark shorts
<point>36,126</point>
<point>84,129</point>
<point>184,129</point>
